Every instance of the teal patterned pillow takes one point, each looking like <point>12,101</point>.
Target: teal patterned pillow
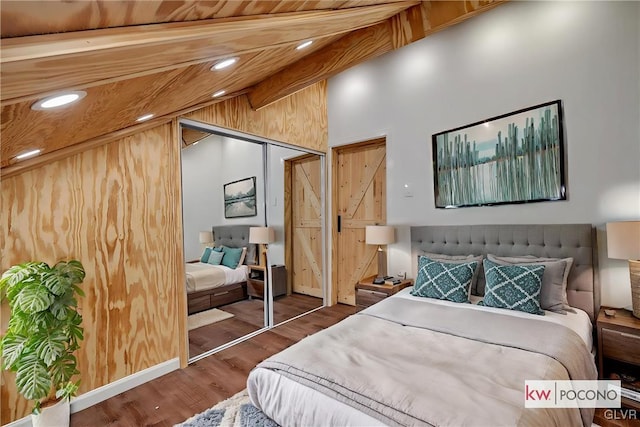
<point>515,287</point>
<point>442,280</point>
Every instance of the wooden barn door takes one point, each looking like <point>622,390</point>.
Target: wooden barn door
<point>304,241</point>
<point>359,199</point>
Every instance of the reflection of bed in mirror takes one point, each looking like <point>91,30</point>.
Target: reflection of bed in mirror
<point>210,286</point>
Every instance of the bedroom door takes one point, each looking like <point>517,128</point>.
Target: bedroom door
<point>359,199</point>
<point>304,234</point>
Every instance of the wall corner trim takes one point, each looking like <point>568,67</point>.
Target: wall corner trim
<point>105,392</point>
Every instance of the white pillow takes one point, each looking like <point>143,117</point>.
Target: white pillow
<point>242,256</point>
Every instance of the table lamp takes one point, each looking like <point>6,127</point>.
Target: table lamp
<point>380,235</point>
<point>623,242</point>
<point>262,236</point>
<point>206,238</point>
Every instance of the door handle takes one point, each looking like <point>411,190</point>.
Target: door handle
<point>339,223</point>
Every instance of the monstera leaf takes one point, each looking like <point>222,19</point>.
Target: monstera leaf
<point>44,328</point>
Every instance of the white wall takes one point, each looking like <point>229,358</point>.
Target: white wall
<point>206,167</point>
<point>517,55</point>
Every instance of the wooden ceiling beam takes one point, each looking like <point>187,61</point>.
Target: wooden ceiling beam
<point>406,27</point>
<point>354,48</point>
<point>36,65</point>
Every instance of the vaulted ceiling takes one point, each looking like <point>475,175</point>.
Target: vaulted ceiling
<point>155,56</point>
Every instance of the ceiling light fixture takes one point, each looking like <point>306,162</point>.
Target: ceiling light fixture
<point>58,100</point>
<point>143,118</point>
<point>305,44</point>
<point>224,63</point>
<point>218,93</point>
<point>28,154</point>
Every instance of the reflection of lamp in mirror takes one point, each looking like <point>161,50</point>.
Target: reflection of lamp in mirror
<point>380,235</point>
<point>206,238</point>
<point>623,242</point>
<point>262,236</point>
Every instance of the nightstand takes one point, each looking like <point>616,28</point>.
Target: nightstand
<point>258,277</point>
<point>619,350</point>
<point>368,294</point>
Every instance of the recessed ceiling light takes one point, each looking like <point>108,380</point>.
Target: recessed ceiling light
<point>59,100</point>
<point>218,93</point>
<point>305,44</point>
<point>28,154</point>
<point>143,118</point>
<point>224,63</point>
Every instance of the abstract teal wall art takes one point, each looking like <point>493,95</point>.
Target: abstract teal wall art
<point>513,158</point>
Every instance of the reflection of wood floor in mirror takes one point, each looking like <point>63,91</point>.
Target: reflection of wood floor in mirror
<point>248,317</point>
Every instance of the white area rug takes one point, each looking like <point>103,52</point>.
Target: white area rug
<point>236,411</point>
<point>207,317</point>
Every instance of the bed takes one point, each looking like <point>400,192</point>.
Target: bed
<point>210,286</point>
<point>418,361</point>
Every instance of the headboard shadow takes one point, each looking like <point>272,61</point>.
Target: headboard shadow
<point>555,240</point>
<point>236,236</point>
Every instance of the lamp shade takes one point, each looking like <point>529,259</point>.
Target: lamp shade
<point>380,234</point>
<point>623,240</point>
<point>261,235</point>
<point>206,237</point>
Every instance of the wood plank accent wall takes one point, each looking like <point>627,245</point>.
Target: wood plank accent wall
<point>116,208</point>
<point>300,119</point>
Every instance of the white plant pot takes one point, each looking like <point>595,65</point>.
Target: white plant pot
<point>53,416</point>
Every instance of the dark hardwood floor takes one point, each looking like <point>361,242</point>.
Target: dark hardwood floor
<point>179,395</point>
<point>248,318</point>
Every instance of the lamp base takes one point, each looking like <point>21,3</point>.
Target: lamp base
<point>634,275</point>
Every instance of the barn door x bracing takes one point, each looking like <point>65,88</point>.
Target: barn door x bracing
<point>306,225</point>
<point>359,199</point>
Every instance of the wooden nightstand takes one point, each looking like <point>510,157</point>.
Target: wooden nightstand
<point>368,294</point>
<point>619,348</point>
<point>258,278</point>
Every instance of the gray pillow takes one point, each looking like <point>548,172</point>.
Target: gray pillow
<point>459,259</point>
<point>554,286</point>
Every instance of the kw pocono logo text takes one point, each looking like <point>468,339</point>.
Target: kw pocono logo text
<point>572,394</point>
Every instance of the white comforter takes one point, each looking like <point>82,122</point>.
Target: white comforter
<point>202,276</point>
<point>291,403</point>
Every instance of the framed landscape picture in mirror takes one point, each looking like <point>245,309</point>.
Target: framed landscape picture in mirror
<point>240,198</point>
<point>513,158</point>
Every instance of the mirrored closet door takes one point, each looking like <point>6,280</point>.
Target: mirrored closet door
<point>223,191</point>
<point>233,183</point>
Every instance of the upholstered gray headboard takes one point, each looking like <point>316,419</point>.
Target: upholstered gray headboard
<point>236,236</point>
<point>556,241</point>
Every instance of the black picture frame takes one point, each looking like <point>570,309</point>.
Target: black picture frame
<point>516,157</point>
<point>240,198</point>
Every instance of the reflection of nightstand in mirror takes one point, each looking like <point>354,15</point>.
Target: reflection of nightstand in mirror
<point>258,278</point>
<point>368,293</point>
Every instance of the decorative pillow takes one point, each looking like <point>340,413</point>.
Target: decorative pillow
<point>231,256</point>
<point>243,256</point>
<point>215,258</point>
<point>515,287</point>
<point>205,254</point>
<point>447,281</point>
<point>552,290</point>
<point>529,259</point>
<point>459,259</point>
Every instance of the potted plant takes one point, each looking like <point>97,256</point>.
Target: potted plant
<point>43,334</point>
